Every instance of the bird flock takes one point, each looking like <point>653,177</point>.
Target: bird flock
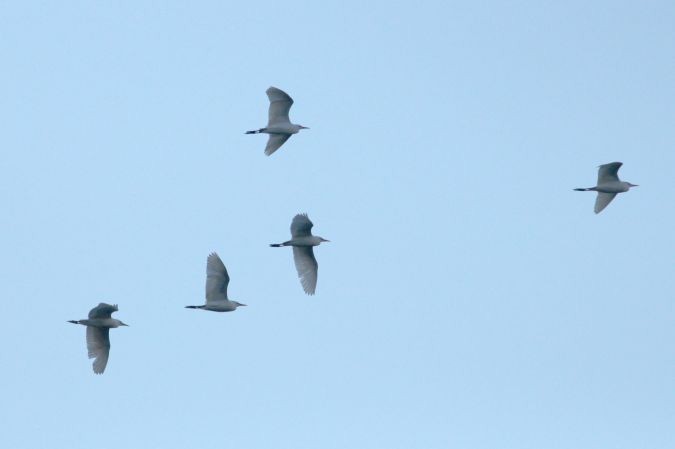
<point>279,129</point>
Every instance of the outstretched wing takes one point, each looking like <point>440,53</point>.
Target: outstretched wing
<point>98,346</point>
<point>216,278</point>
<point>275,141</point>
<point>280,105</point>
<point>301,226</point>
<point>609,172</point>
<point>603,200</point>
<point>307,268</point>
<point>102,310</point>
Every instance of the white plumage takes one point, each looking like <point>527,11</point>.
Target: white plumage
<point>303,242</point>
<point>609,185</point>
<point>279,126</point>
<point>307,267</point>
<point>217,281</point>
<point>98,324</point>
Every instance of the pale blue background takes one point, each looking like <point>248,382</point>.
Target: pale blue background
<point>468,299</point>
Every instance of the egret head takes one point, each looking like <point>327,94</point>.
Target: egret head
<point>238,304</point>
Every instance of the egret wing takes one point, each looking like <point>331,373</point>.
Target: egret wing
<point>609,172</point>
<point>98,346</point>
<point>603,200</point>
<point>102,310</point>
<point>307,267</point>
<point>280,105</point>
<point>275,141</point>
<point>301,226</point>
<point>217,278</point>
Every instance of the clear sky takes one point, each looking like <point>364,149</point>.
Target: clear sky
<point>468,298</point>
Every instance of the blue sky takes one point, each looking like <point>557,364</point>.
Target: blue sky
<point>468,298</point>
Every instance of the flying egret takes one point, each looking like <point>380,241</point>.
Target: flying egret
<point>302,242</point>
<point>608,186</point>
<point>279,126</point>
<point>216,287</point>
<point>98,325</point>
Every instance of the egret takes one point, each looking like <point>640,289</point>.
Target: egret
<point>98,325</point>
<point>608,186</point>
<point>303,242</point>
<point>216,287</point>
<point>279,126</point>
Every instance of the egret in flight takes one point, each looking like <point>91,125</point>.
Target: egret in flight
<point>216,287</point>
<point>608,186</point>
<point>98,325</point>
<point>279,126</point>
<point>302,242</point>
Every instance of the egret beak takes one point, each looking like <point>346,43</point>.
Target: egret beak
<point>303,127</point>
<point>240,304</point>
<point>122,324</point>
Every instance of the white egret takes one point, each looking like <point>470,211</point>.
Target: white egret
<point>608,186</point>
<point>98,325</point>
<point>302,242</point>
<point>216,287</point>
<point>279,126</point>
